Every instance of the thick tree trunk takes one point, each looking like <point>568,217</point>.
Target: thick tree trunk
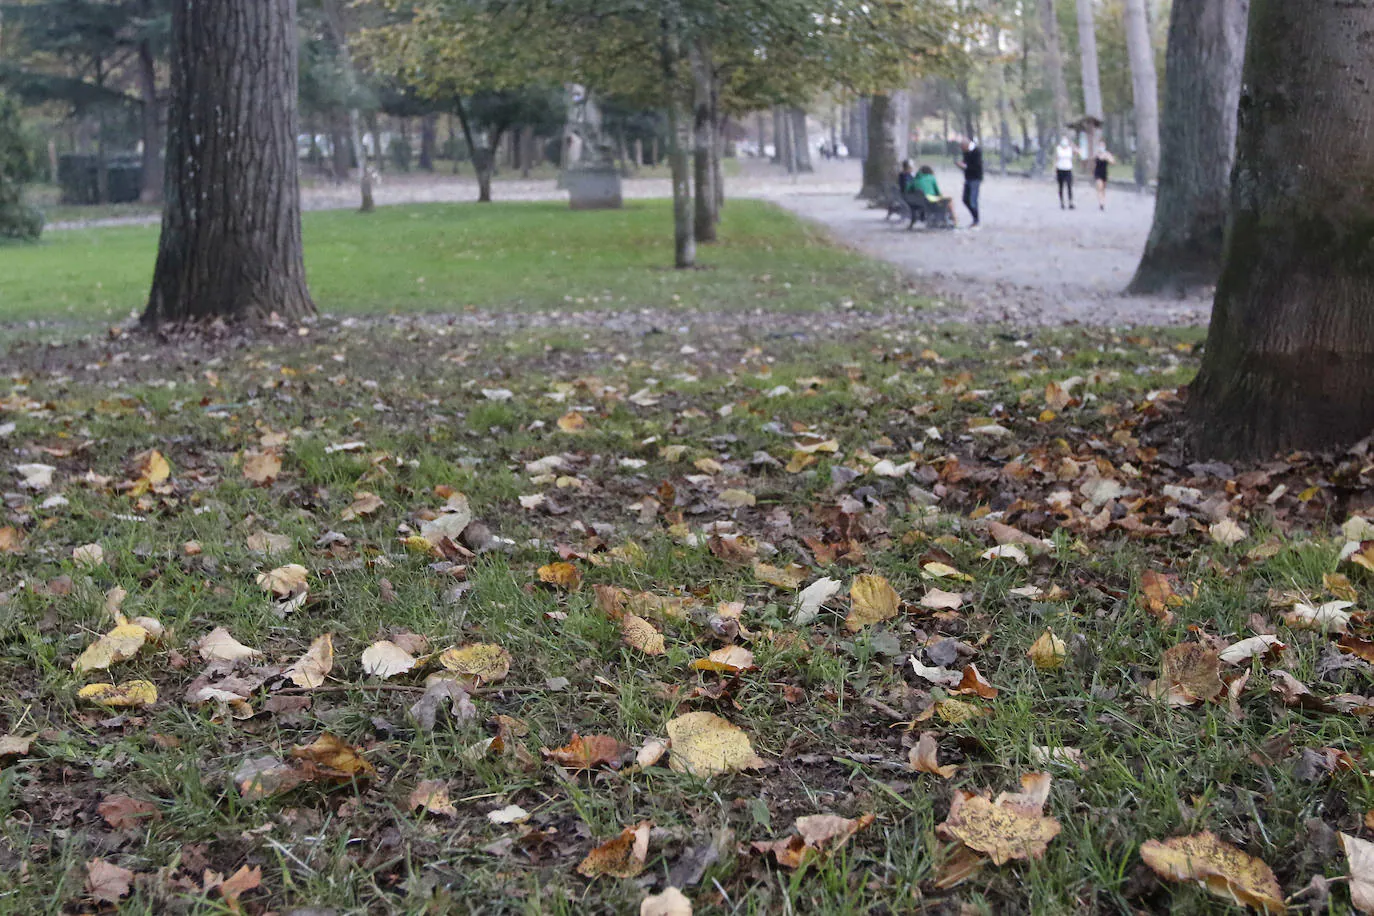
<point>704,174</point>
<point>1054,64</point>
<point>231,224</point>
<point>429,135</point>
<point>801,141</point>
<point>481,156</point>
<point>1145,90</point>
<point>1202,84</point>
<point>1092,79</point>
<point>366,204</point>
<point>153,145</point>
<point>880,166</point>
<point>1289,362</point>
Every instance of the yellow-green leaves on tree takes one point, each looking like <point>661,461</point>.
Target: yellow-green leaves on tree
<point>704,744</point>
<point>871,599</point>
<point>1218,866</point>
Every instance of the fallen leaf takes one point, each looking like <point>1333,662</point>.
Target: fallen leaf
<point>12,746</point>
<point>704,744</point>
<point>726,660</point>
<point>310,669</point>
<point>1043,756</point>
<point>668,902</point>
<point>122,812</point>
<point>483,663</point>
<point>562,575</point>
<point>1227,532</point>
<point>511,814</point>
<point>871,599</point>
<point>1007,552</point>
<point>261,468</point>
<point>432,796</point>
<point>37,477</point>
<point>89,556</point>
<point>1190,673</point>
<point>240,883</point>
<point>572,422</point>
<point>812,598</point>
<point>262,777</point>
<point>1048,652</point>
<point>1332,616</point>
<point>1240,652</point>
<point>134,694</point>
<point>1360,854</point>
<point>266,543</point>
<point>790,577</point>
<point>937,599</point>
<point>1218,866</point>
<point>1012,827</point>
<point>364,503</point>
<point>119,645</point>
<point>817,835</point>
<point>736,499</point>
<point>329,757</point>
<point>425,711</point>
<point>924,758</point>
<point>622,857</point>
<point>219,646</point>
<point>385,659</point>
<point>11,540</point>
<point>284,581</point>
<point>1353,645</point>
<point>107,882</point>
<point>1158,595</point>
<point>952,711</point>
<point>972,682</point>
<point>586,753</point>
<point>638,633</point>
<point>651,753</point>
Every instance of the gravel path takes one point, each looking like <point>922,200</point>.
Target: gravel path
<point>1030,264</point>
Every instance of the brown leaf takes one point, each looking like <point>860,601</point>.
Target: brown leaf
<point>284,581</point>
<point>107,882</point>
<point>1048,652</point>
<point>11,540</point>
<point>638,633</point>
<point>240,883</point>
<point>426,709</point>
<point>1157,596</point>
<point>432,796</point>
<point>586,753</point>
<point>1218,866</point>
<point>364,503</point>
<point>817,835</point>
<point>261,468</point>
<point>1190,673</point>
<point>122,812</point>
<point>973,683</point>
<point>330,758</point>
<point>1354,645</point>
<point>924,758</point>
<point>622,857</point>
<point>1012,827</point>
<point>262,777</point>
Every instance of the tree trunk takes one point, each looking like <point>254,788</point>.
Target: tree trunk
<point>703,146</point>
<point>1092,80</point>
<point>1289,362</point>
<point>1054,64</point>
<point>1145,90</point>
<point>153,146</point>
<point>1202,85</point>
<point>429,135</point>
<point>880,166</point>
<point>231,226</point>
<point>801,141</point>
<point>481,156</point>
<point>679,142</point>
<point>360,154</point>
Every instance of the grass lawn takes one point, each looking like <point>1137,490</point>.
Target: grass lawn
<point>460,256</point>
<point>972,494</point>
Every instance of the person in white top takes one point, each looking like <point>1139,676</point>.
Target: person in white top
<point>1064,155</point>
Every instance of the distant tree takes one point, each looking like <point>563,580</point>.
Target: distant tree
<point>231,223</point>
<point>1053,52</point>
<point>1145,83</point>
<point>1289,362</point>
<point>17,167</point>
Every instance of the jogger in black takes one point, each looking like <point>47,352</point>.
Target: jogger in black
<point>1065,179</point>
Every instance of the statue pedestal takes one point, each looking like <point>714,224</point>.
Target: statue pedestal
<point>595,187</point>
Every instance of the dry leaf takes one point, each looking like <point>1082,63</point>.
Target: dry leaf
<point>482,663</point>
<point>266,543</point>
<point>790,577</point>
<point>119,645</point>
<point>438,690</point>
<point>562,575</point>
<point>651,753</point>
<point>572,422</point>
<point>1360,853</point>
<point>1157,594</point>
<point>704,744</point>
<point>924,758</point>
<point>89,556</point>
<point>1012,827</point>
<point>668,902</point>
<point>727,660</point>
<point>261,468</point>
<point>107,882</point>
<point>937,599</point>
<point>11,540</point>
<point>12,746</point>
<point>622,857</point>
<point>432,796</point>
<point>36,476</point>
<point>1332,617</point>
<point>638,633</point>
<point>330,758</point>
<point>972,682</point>
<point>1007,552</point>
<point>263,777</point>
<point>1218,866</point>
<point>871,599</point>
<point>1044,756</point>
<point>238,884</point>
<point>586,753</point>
<point>219,646</point>
<point>310,669</point>
<point>122,812</point>
<point>511,814</point>
<point>1048,652</point>
<point>364,503</point>
<point>284,581</point>
<point>1190,673</point>
<point>385,659</point>
<point>1240,652</point>
<point>817,835</point>
<point>812,598</point>
<point>1227,532</point>
<point>133,694</point>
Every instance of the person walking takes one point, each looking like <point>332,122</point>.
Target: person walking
<point>972,166</point>
<point>1100,163</point>
<point>1064,155</point>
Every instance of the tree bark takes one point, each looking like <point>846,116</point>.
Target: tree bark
<point>704,173</point>
<point>801,141</point>
<point>1054,64</point>
<point>481,156</point>
<point>679,142</point>
<point>429,135</point>
<point>880,166</point>
<point>1145,90</point>
<point>231,226</point>
<point>1198,146</point>
<point>1092,79</point>
<point>1289,362</point>
<point>153,146</point>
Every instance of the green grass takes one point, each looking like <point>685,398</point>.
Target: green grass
<point>507,256</point>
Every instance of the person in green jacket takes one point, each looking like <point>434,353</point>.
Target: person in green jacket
<point>925,183</point>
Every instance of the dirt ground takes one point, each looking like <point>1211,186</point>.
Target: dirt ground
<point>1030,263</point>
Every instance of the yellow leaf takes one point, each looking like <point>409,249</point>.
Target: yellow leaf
<point>727,660</point>
<point>871,599</point>
<point>261,467</point>
<point>924,758</point>
<point>736,499</point>
<point>562,575</point>
<point>11,540</point>
<point>640,634</point>
<point>119,645</point>
<point>135,694</point>
<point>385,659</point>
<point>432,796</point>
<point>572,422</point>
<point>1218,866</point>
<point>799,462</point>
<point>953,711</point>
<point>481,662</point>
<point>789,577</point>
<point>1012,827</point>
<point>284,581</point>
<point>936,570</point>
<point>328,757</point>
<point>310,669</point>
<point>704,744</point>
<point>622,857</point>
<point>1047,653</point>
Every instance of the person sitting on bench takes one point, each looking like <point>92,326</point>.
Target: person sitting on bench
<point>924,182</point>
